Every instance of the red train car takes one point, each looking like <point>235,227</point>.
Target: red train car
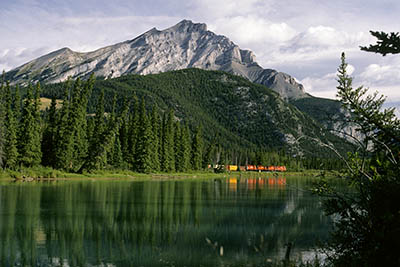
<point>251,167</point>
<point>261,168</point>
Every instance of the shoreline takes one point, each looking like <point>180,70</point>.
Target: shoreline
<point>45,174</point>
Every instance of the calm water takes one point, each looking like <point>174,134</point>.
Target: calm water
<point>158,223</point>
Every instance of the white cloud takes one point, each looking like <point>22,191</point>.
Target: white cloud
<point>319,43</point>
<point>324,86</point>
<point>252,30</point>
<point>381,74</point>
<point>213,9</point>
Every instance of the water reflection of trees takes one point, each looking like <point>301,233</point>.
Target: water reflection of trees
<point>154,223</point>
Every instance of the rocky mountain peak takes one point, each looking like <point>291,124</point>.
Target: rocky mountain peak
<point>188,26</point>
<point>184,45</point>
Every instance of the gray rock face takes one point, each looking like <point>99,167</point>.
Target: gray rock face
<point>185,45</point>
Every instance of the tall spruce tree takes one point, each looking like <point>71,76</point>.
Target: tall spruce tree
<point>197,149</point>
<point>113,129</point>
<point>49,143</point>
<point>64,146</point>
<point>133,131</point>
<point>78,123</point>
<point>155,124</point>
<point>177,140</point>
<point>124,131</point>
<point>10,148</point>
<point>144,144</point>
<point>167,145</point>
<point>207,157</point>
<point>117,157</point>
<point>366,230</point>
<point>2,127</point>
<point>97,158</point>
<point>185,149</point>
<point>17,104</point>
<point>29,138</point>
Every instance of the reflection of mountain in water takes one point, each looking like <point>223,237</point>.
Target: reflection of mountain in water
<point>155,223</point>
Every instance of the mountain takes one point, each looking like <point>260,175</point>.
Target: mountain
<point>185,45</point>
<point>235,113</point>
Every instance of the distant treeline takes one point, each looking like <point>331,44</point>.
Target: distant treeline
<point>130,135</point>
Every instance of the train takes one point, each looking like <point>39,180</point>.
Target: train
<point>257,168</point>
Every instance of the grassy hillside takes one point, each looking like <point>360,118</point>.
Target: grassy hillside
<point>234,112</point>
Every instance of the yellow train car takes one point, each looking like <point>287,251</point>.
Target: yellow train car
<point>231,167</point>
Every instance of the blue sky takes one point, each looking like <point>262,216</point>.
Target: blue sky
<point>302,38</point>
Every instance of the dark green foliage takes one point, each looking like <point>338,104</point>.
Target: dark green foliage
<point>177,137</point>
<point>17,104</point>
<point>244,116</point>
<point>30,132</point>
<point>143,157</point>
<point>197,149</point>
<point>167,143</point>
<point>63,137</point>
<point>10,133</point>
<point>49,143</point>
<point>156,131</point>
<point>2,113</point>
<point>133,126</point>
<point>97,158</point>
<point>183,149</point>
<point>367,228</point>
<point>113,125</point>
<point>208,155</point>
<point>78,123</point>
<point>117,158</point>
<point>243,124</point>
<point>72,141</point>
<point>124,130</point>
<point>386,44</point>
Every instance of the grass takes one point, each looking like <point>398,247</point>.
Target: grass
<point>43,173</point>
<point>46,102</point>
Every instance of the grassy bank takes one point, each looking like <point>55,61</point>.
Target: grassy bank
<point>43,173</point>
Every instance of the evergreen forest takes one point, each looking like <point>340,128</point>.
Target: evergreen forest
<point>171,122</point>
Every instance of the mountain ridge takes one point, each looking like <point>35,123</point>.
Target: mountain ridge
<point>236,113</point>
<point>184,45</point>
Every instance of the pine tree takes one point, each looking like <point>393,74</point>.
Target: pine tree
<point>10,149</point>
<point>117,158</point>
<point>112,127</point>
<point>29,138</point>
<point>132,132</point>
<point>182,148</point>
<point>144,142</point>
<point>207,157</point>
<point>366,229</point>
<point>64,139</point>
<point>17,104</point>
<point>97,158</point>
<point>124,131</point>
<point>77,124</point>
<point>167,145</point>
<point>177,141</point>
<point>2,127</point>
<point>386,44</point>
<point>197,149</point>
<point>49,143</point>
<point>185,149</point>
<point>155,124</point>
